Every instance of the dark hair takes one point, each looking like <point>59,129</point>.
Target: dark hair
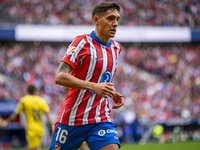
<point>104,6</point>
<point>31,89</point>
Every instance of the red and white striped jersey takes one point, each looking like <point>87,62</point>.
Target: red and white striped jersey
<point>95,61</point>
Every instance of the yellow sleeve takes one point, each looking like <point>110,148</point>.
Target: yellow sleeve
<point>19,107</point>
<point>45,107</point>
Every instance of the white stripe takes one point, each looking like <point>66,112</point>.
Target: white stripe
<point>74,109</point>
<point>88,108</point>
<point>75,53</point>
<point>107,111</point>
<point>93,55</point>
<point>104,68</point>
<point>98,111</point>
<point>114,57</point>
<point>118,48</point>
<point>89,75</point>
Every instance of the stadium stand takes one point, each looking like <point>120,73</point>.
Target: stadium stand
<point>77,12</point>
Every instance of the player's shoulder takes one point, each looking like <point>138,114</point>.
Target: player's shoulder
<point>40,99</point>
<point>24,98</point>
<point>82,36</point>
<point>79,39</point>
<point>28,98</point>
<point>115,43</point>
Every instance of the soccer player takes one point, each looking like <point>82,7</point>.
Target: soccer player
<point>87,69</point>
<point>33,107</point>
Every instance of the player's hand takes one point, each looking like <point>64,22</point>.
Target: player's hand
<point>104,89</point>
<point>4,123</point>
<point>118,99</point>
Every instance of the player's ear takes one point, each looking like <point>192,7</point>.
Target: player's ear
<point>96,19</point>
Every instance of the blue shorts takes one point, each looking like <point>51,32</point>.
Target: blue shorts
<point>96,136</point>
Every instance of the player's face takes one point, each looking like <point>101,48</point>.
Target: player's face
<point>107,24</point>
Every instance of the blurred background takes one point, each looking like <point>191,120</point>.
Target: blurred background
<point>158,72</point>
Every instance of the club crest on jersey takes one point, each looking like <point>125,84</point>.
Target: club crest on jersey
<point>106,77</point>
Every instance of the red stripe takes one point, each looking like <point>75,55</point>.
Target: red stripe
<point>82,66</point>
<point>77,40</point>
<point>93,110</point>
<point>102,111</point>
<point>99,63</point>
<point>69,101</point>
<point>110,61</point>
<point>62,109</point>
<point>80,111</point>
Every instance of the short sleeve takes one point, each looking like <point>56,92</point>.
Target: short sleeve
<point>19,106</point>
<point>44,106</point>
<point>74,53</point>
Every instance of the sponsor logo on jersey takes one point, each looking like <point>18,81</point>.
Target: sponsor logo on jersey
<point>99,59</point>
<point>70,50</point>
<point>111,131</point>
<point>101,132</point>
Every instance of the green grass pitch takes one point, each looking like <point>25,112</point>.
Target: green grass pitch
<point>167,146</point>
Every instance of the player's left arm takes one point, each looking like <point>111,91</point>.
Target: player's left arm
<point>64,78</point>
<point>118,99</point>
<point>49,120</point>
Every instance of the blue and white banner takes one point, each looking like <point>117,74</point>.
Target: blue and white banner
<point>62,33</point>
<point>7,107</point>
<point>7,34</point>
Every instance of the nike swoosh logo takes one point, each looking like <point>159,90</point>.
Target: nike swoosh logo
<point>99,59</point>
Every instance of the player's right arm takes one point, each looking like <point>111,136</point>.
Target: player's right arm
<point>64,78</point>
<point>14,115</point>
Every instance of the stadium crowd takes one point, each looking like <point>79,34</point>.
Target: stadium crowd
<point>78,12</point>
<point>160,83</point>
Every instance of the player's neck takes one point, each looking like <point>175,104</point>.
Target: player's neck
<point>101,37</point>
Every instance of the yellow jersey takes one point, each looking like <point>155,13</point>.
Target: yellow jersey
<point>33,107</point>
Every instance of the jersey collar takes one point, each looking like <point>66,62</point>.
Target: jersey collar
<point>93,35</point>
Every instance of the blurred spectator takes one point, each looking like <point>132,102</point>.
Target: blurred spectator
<point>77,12</point>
